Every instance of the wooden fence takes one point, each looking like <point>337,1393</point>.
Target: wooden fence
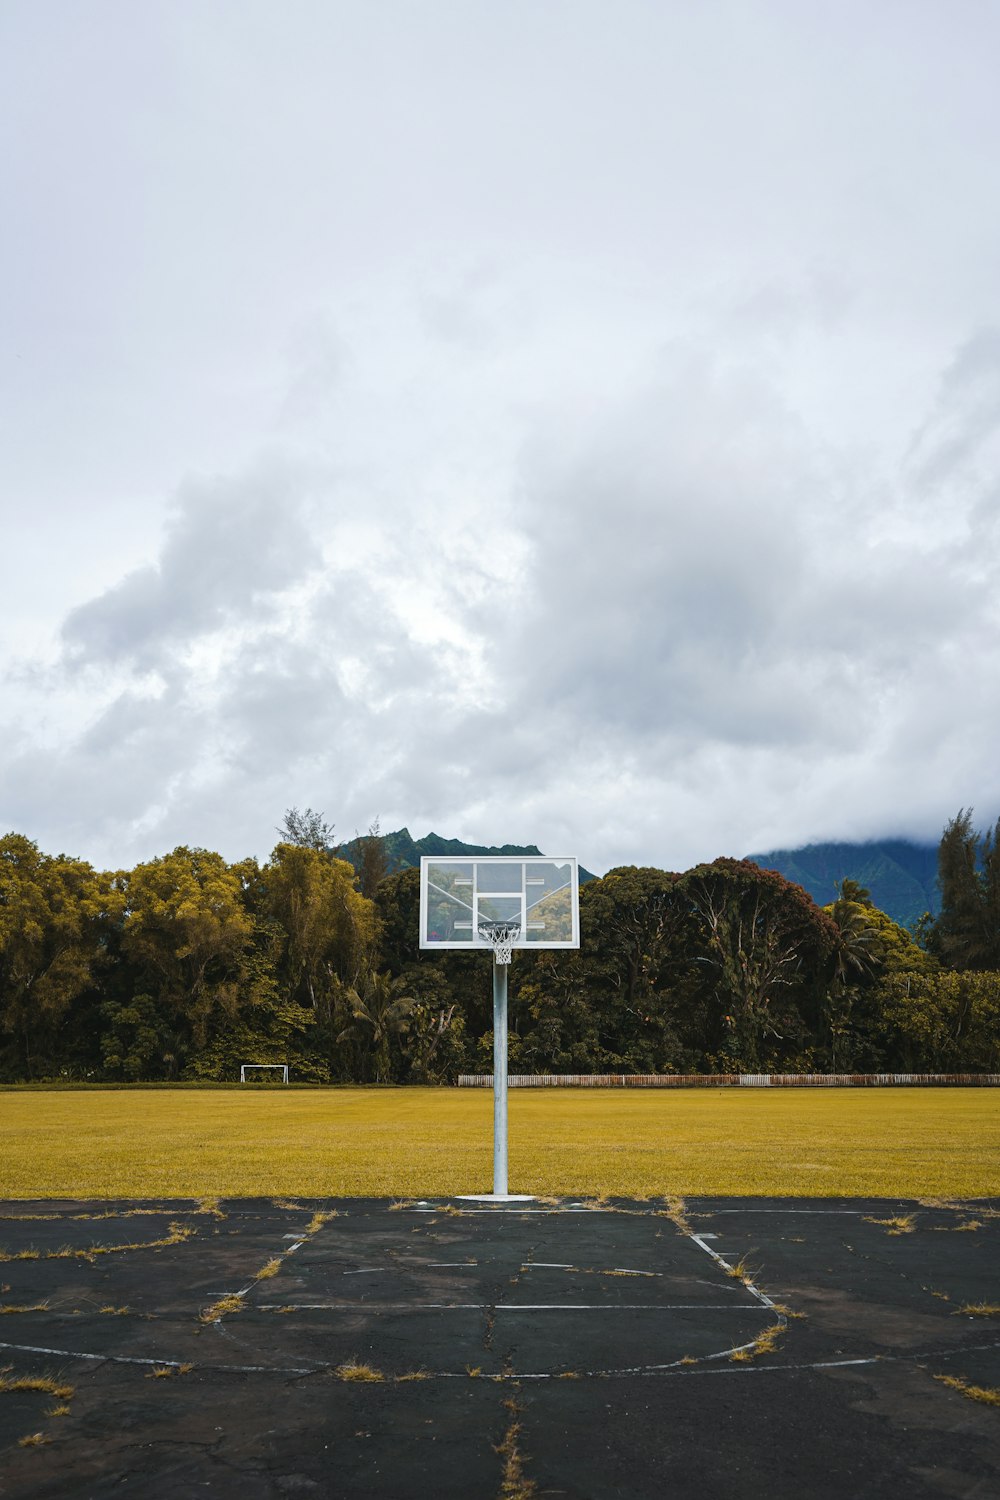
<point>732,1080</point>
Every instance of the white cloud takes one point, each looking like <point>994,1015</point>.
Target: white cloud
<point>530,423</point>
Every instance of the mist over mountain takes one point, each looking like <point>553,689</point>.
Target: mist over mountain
<point>901,876</point>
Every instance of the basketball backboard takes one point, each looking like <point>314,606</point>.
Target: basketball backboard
<point>537,894</point>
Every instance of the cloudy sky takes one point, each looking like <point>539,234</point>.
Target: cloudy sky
<point>560,421</point>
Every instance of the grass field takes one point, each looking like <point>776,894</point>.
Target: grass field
<point>907,1143</point>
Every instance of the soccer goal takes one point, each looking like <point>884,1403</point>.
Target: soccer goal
<point>246,1068</point>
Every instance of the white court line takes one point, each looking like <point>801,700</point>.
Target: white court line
<point>513,1209</point>
<point>173,1364</point>
<point>819,1364</point>
<point>505,1307</point>
<point>544,1265</point>
<point>431,1265</point>
<point>353,1307</point>
<point>753,1290</point>
<point>245,1291</point>
<point>625,1306</point>
<point>674,1367</point>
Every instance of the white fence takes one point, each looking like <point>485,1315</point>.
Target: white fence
<point>732,1080</point>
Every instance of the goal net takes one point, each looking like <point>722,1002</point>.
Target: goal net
<point>253,1069</point>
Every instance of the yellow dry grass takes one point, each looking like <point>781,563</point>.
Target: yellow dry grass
<point>901,1225</point>
<point>224,1308</point>
<point>43,1383</point>
<point>353,1370</point>
<point>177,1234</point>
<point>982,1393</point>
<point>412,1143</point>
<point>766,1342</point>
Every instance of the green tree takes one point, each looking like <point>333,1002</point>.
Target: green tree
<point>271,1031</point>
<point>869,946</point>
<point>966,934</point>
<point>190,941</point>
<point>136,1039</point>
<point>308,829</point>
<point>449,990</point>
<point>398,902</point>
<point>620,1003</point>
<point>56,916</point>
<point>762,946</point>
<point>327,942</point>
<point>854,953</point>
<point>329,931</point>
<point>433,1044</point>
<point>373,1013</point>
<point>370,860</point>
<point>942,1022</point>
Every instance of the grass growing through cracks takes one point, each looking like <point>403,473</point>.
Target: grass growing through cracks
<point>176,1236</point>
<point>515,1484</point>
<point>742,1270</point>
<point>354,1370</point>
<point>766,1342</point>
<point>983,1393</point>
<point>225,1306</point>
<point>234,1301</point>
<point>408,1143</point>
<point>47,1387</point>
<point>902,1224</point>
<point>43,1383</point>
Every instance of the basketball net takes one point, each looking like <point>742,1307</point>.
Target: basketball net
<point>500,936</point>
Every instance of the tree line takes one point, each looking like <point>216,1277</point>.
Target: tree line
<point>187,966</point>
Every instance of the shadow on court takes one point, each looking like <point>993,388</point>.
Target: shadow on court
<point>729,1347</point>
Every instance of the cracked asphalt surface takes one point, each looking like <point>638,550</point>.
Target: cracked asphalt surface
<point>725,1347</point>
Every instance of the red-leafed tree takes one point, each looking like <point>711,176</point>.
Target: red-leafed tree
<point>762,946</point>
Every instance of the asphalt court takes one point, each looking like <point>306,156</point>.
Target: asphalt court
<point>447,1348</point>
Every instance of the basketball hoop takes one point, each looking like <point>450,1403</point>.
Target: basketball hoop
<point>501,936</point>
<point>469,902</point>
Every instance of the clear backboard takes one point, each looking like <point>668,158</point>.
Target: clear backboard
<point>537,894</point>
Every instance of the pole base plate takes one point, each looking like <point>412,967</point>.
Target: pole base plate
<point>496,1197</point>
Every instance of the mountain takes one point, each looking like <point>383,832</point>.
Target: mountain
<point>403,851</point>
<point>901,876</point>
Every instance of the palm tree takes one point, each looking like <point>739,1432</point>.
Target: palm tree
<point>377,1011</point>
<point>854,958</point>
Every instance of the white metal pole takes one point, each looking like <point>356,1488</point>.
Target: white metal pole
<point>499,1079</point>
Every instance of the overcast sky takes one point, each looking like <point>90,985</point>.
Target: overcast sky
<point>574,421</point>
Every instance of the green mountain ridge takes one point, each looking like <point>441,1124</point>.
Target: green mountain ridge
<point>901,875</point>
<point>403,851</point>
